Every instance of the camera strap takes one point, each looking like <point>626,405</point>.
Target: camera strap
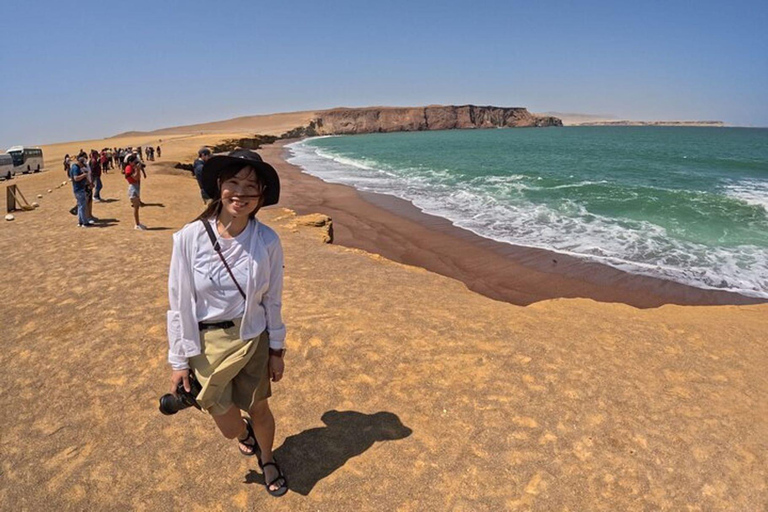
<point>217,248</point>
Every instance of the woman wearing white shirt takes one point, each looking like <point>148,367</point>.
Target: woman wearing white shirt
<point>224,320</point>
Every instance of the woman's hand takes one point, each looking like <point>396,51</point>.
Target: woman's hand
<point>179,376</point>
<point>276,368</point>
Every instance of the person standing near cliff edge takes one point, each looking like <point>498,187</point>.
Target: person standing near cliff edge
<point>225,322</point>
<point>202,156</point>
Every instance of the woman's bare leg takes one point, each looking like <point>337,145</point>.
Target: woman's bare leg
<point>264,428</point>
<point>232,425</point>
<point>136,202</point>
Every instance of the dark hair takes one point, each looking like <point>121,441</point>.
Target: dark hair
<point>214,207</point>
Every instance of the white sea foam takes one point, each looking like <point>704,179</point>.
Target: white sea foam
<point>751,191</point>
<point>494,207</point>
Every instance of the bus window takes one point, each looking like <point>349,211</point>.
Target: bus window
<point>18,157</point>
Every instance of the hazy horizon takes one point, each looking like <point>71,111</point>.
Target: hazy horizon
<point>92,71</point>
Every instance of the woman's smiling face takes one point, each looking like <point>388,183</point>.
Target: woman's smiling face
<point>241,194</point>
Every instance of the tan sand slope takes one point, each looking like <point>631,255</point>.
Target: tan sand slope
<point>267,124</point>
<point>404,391</point>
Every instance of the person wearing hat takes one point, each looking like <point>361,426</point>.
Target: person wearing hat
<point>225,291</point>
<point>203,154</point>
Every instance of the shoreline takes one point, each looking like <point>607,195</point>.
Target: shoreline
<point>397,230</point>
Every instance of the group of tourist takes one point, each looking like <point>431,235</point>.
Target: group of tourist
<point>111,158</point>
<point>86,170</point>
<point>150,152</point>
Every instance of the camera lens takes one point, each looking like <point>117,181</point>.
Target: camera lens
<point>170,404</point>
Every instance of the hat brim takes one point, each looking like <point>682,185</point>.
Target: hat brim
<point>216,164</point>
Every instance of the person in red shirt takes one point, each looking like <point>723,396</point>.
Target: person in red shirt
<point>104,160</point>
<point>133,173</point>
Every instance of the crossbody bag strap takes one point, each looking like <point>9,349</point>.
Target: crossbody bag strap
<point>217,248</point>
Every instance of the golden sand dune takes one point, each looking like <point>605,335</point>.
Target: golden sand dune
<point>404,390</point>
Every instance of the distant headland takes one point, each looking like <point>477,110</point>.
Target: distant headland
<point>342,121</point>
<point>572,119</point>
<point>654,123</point>
<point>433,117</point>
<point>347,121</point>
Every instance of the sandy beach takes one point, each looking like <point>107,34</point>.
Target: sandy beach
<point>399,231</point>
<point>427,368</point>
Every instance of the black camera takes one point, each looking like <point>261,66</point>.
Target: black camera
<point>170,404</point>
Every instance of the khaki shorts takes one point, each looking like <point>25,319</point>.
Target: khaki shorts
<point>230,370</point>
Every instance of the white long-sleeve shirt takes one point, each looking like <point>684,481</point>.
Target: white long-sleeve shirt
<point>216,294</point>
<point>263,291</point>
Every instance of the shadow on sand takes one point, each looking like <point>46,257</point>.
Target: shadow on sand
<point>160,205</point>
<point>312,455</point>
<point>105,223</point>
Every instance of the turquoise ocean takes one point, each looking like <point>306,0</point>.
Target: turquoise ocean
<point>684,204</point>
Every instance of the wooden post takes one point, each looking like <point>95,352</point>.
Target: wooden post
<point>10,198</point>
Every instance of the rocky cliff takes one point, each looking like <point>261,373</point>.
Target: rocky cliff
<point>436,117</point>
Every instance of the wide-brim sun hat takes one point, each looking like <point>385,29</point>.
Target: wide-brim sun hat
<point>241,158</point>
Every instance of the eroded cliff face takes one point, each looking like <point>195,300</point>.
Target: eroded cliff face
<point>437,117</point>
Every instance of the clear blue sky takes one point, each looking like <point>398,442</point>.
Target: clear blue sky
<point>77,70</point>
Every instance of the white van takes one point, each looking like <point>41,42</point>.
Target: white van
<point>6,166</point>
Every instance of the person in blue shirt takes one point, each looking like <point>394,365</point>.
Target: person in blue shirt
<point>202,156</point>
<point>79,183</point>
